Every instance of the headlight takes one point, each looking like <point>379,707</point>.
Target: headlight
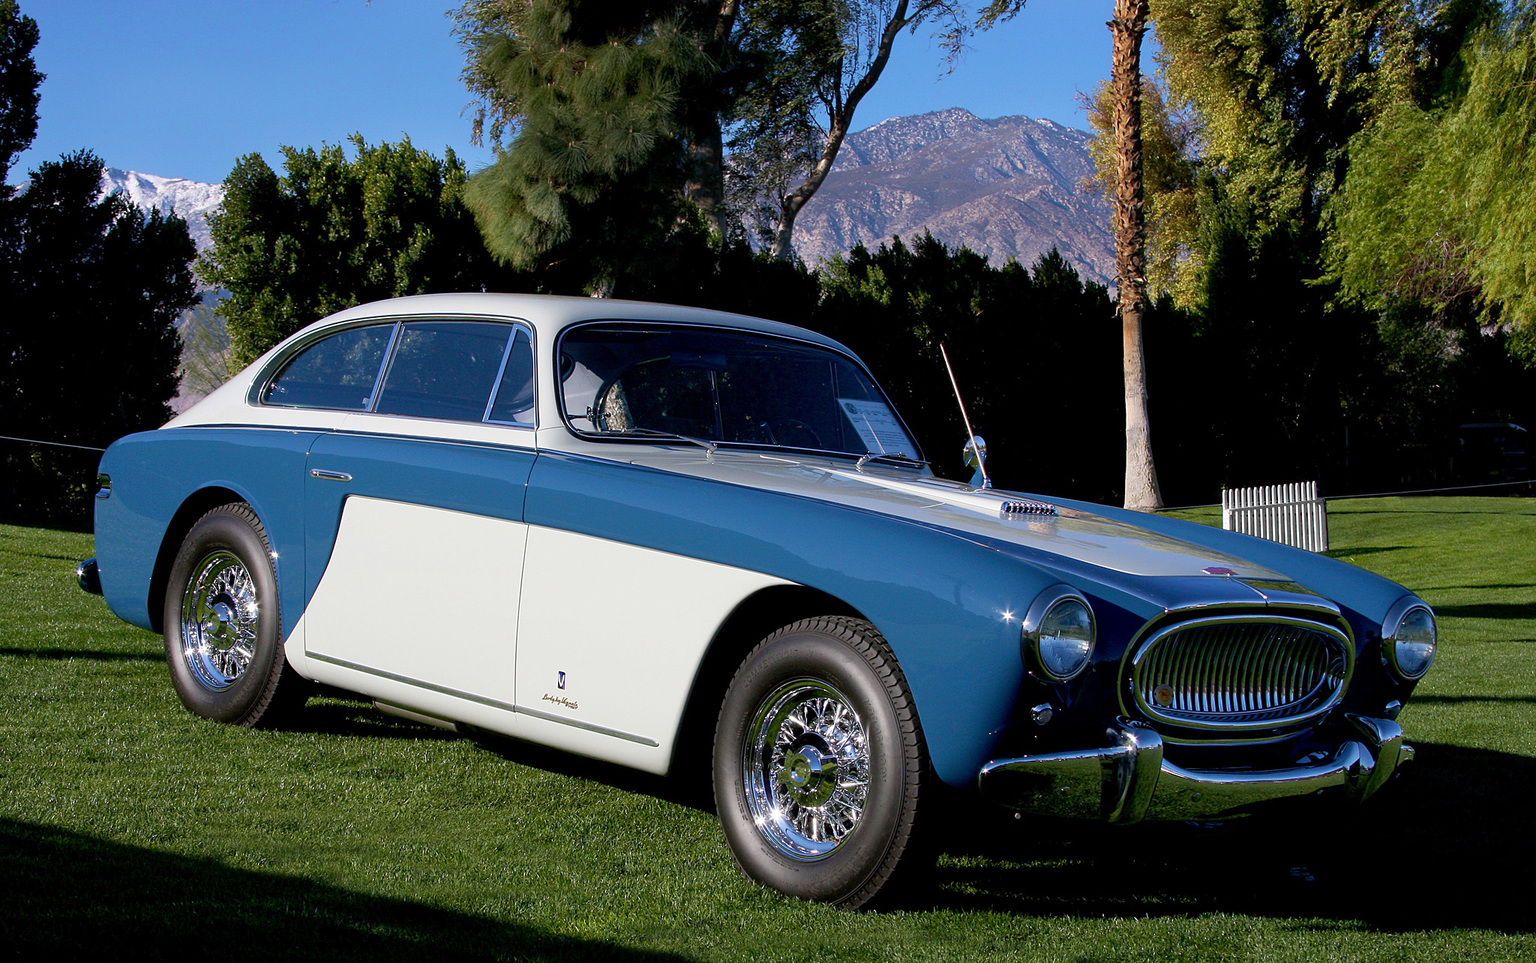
<point>1058,633</point>
<point>1408,639</point>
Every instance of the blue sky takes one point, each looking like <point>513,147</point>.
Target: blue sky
<point>181,88</point>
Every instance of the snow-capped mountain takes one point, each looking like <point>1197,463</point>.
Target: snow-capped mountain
<point>192,201</point>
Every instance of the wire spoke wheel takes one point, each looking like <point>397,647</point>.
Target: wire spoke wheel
<point>219,622</point>
<point>807,768</point>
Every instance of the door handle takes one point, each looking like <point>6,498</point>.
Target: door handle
<point>327,475</point>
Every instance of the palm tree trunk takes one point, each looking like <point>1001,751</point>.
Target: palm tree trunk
<point>1128,28</point>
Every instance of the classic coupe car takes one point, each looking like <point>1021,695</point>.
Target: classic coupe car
<point>662,536</point>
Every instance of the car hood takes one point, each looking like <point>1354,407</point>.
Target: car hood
<point>1035,524</point>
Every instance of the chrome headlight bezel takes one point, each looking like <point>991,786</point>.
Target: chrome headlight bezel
<point>1052,638</point>
<point>1409,639</point>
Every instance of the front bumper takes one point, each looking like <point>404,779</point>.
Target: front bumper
<point>1129,781</point>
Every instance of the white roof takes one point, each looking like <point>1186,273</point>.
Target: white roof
<point>548,313</point>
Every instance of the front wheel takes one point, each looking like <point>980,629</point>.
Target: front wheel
<point>223,631</point>
<point>819,764</point>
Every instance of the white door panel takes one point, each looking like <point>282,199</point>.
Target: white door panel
<point>421,594</point>
<point>622,629</point>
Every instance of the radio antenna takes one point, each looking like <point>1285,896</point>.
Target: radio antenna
<point>975,445</point>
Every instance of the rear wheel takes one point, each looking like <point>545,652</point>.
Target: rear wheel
<point>819,765</point>
<point>223,630</point>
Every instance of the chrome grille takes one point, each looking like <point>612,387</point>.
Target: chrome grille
<point>1241,672</point>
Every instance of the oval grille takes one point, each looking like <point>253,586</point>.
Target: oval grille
<point>1241,672</point>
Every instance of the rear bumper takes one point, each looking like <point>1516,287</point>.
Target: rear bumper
<point>1129,781</point>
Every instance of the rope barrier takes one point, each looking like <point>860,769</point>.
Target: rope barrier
<point>56,444</point>
<point>1529,482</point>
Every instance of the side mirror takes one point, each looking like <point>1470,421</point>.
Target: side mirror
<point>975,453</point>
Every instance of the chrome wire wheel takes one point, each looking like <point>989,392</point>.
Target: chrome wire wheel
<point>220,618</point>
<point>806,763</point>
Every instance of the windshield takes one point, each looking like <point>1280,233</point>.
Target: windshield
<point>723,387</point>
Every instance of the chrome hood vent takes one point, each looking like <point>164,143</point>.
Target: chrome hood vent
<point>1240,672</point>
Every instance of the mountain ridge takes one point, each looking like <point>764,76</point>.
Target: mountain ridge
<point>1007,188</point>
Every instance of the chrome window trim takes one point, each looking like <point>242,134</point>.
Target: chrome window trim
<point>1135,706</point>
<point>389,362</point>
<point>533,350</point>
<point>725,329</point>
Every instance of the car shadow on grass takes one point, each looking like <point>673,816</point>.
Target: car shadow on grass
<point>89,654</point>
<point>63,892</point>
<point>1435,850</point>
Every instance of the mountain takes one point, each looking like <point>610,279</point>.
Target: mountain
<point>1005,188</point>
<point>192,200</point>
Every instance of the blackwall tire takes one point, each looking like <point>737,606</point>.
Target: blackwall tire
<point>820,771</point>
<point>223,628</point>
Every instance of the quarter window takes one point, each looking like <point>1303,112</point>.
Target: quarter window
<point>339,372</point>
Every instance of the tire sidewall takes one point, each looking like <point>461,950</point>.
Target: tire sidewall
<point>821,656</point>
<point>235,530</point>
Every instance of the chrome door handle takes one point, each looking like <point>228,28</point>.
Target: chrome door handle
<point>340,476</point>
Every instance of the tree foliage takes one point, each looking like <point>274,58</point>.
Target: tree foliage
<point>334,231</point>
<point>1280,86</point>
<point>19,82</point>
<point>613,114</point>
<point>1437,209</point>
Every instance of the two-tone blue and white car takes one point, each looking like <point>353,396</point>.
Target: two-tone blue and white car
<point>658,535</point>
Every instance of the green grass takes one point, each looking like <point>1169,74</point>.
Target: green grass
<point>126,824</point>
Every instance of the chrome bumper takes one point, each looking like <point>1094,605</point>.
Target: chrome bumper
<point>1130,781</point>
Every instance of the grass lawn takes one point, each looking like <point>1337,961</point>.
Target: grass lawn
<point>128,825</point>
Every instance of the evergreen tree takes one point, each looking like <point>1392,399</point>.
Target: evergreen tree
<point>896,305</point>
<point>334,231</point>
<point>88,345</point>
<point>610,102</point>
<point>19,82</point>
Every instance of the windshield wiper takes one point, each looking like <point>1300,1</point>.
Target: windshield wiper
<point>704,443</point>
<point>895,457</point>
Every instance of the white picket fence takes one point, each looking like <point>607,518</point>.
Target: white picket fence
<point>1292,514</point>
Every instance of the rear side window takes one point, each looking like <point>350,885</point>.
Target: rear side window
<point>444,369</point>
<point>339,372</point>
